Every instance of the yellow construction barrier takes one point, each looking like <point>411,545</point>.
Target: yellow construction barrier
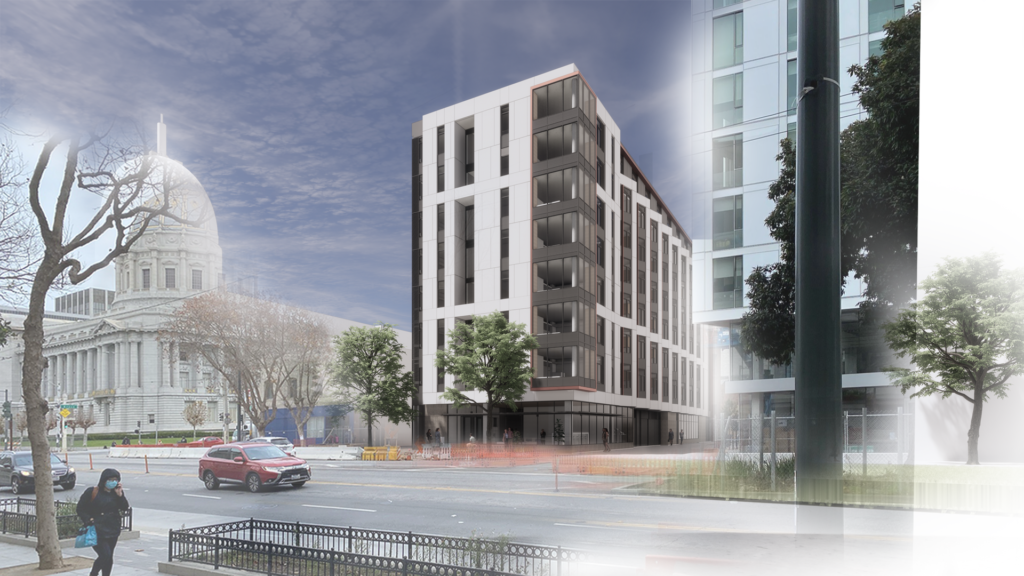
<point>381,453</point>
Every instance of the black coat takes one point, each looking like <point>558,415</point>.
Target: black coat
<point>103,510</point>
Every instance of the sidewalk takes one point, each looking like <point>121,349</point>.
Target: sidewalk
<point>131,557</point>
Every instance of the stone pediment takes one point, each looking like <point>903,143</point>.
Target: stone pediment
<point>107,327</point>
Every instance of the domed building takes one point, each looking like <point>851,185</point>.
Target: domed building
<point>103,348</point>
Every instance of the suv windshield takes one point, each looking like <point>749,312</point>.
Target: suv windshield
<point>26,460</point>
<point>280,441</point>
<point>264,453</point>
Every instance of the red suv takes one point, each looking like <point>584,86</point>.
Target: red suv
<point>254,464</point>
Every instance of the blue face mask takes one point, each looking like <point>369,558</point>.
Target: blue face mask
<point>111,484</point>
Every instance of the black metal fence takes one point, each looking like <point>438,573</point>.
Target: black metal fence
<point>294,549</point>
<point>18,516</point>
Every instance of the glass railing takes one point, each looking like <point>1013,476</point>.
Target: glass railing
<point>731,299</point>
<point>727,240</point>
<point>727,179</point>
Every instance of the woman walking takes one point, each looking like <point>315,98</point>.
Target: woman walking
<point>101,507</point>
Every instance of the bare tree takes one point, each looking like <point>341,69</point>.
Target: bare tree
<point>251,342</point>
<point>20,424</point>
<point>20,248</point>
<point>132,188</point>
<point>85,421</point>
<point>313,355</point>
<point>195,414</point>
<point>71,424</point>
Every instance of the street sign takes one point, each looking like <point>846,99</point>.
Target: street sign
<point>69,406</point>
<point>65,412</point>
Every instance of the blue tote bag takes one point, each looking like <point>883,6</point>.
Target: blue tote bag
<point>86,537</point>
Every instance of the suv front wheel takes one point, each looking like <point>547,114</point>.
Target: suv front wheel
<point>252,482</point>
<point>211,480</point>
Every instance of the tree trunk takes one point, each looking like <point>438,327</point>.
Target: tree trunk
<point>975,430</point>
<point>369,429</point>
<point>487,423</point>
<point>48,545</point>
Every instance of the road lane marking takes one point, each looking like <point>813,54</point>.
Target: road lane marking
<point>338,508</point>
<point>587,526</point>
<point>202,496</point>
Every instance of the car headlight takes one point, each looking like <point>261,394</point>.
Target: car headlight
<point>274,469</point>
<point>26,473</point>
<point>71,470</point>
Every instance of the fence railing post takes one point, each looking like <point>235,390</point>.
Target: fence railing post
<point>216,552</point>
<point>408,553</point>
<point>348,539</point>
<point>170,545</point>
<point>559,561</point>
<point>864,441</point>
<point>773,450</point>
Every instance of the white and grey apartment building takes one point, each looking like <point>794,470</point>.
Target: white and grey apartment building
<point>525,201</point>
<point>744,90</point>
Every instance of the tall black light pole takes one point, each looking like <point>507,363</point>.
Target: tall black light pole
<point>819,445</point>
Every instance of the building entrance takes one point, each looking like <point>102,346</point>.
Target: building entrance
<point>647,427</point>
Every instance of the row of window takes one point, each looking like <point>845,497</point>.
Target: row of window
<point>171,279</point>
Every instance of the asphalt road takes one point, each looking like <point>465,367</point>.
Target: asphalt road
<point>590,512</point>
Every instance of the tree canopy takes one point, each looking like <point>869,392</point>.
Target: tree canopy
<point>368,372</point>
<point>878,199</point>
<point>490,355</point>
<point>965,337</point>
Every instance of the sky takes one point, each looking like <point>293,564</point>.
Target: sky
<point>296,116</point>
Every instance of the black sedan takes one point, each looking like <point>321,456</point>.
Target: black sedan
<point>16,471</point>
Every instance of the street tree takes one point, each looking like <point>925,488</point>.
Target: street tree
<point>130,189</point>
<point>85,421</point>
<point>21,424</point>
<point>492,356</point>
<point>195,414</point>
<point>878,200</point>
<point>965,338</point>
<point>313,354</point>
<point>255,344</point>
<point>368,374</point>
<point>72,425</point>
<point>20,246</point>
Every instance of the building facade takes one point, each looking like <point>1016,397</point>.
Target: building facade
<point>525,201</point>
<point>744,94</point>
<point>104,349</point>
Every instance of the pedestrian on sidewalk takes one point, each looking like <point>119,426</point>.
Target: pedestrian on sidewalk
<point>543,436</point>
<point>607,448</point>
<point>430,438</point>
<point>101,507</point>
<point>669,436</point>
<point>437,436</point>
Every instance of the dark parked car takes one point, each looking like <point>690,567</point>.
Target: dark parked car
<point>16,471</point>
<point>256,465</point>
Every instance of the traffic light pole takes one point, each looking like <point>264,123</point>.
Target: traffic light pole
<point>817,369</point>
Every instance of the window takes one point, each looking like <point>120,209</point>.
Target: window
<point>600,252</point>
<point>791,132</point>
<point>727,162</point>
<point>470,231</point>
<point>558,186</point>
<point>727,108</point>
<point>791,26</point>
<point>440,292</point>
<point>152,418</point>
<point>564,95</point>
<point>727,283</point>
<point>561,318</point>
<point>727,222</point>
<point>875,48</point>
<point>470,155</point>
<point>600,173</point>
<point>440,380</point>
<point>197,279</point>
<point>600,291</point>
<point>724,3</point>
<point>440,158</point>
<point>728,40</point>
<point>600,371</point>
<point>600,330</point>
<point>654,319</point>
<point>600,138</point>
<point>791,87</point>
<point>882,11</point>
<point>557,362</point>
<point>440,334</point>
<point>504,140</point>
<point>600,213</point>
<point>641,314</point>
<point>554,143</point>
<point>504,243</point>
<point>145,278</point>
<point>557,274</point>
<point>627,305</point>
<point>556,230</point>
<point>169,277</point>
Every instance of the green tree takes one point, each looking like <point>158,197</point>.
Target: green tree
<point>368,373</point>
<point>491,355</point>
<point>965,337</point>
<point>5,330</point>
<point>878,199</point>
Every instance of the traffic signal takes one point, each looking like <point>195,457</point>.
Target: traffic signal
<point>7,409</point>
